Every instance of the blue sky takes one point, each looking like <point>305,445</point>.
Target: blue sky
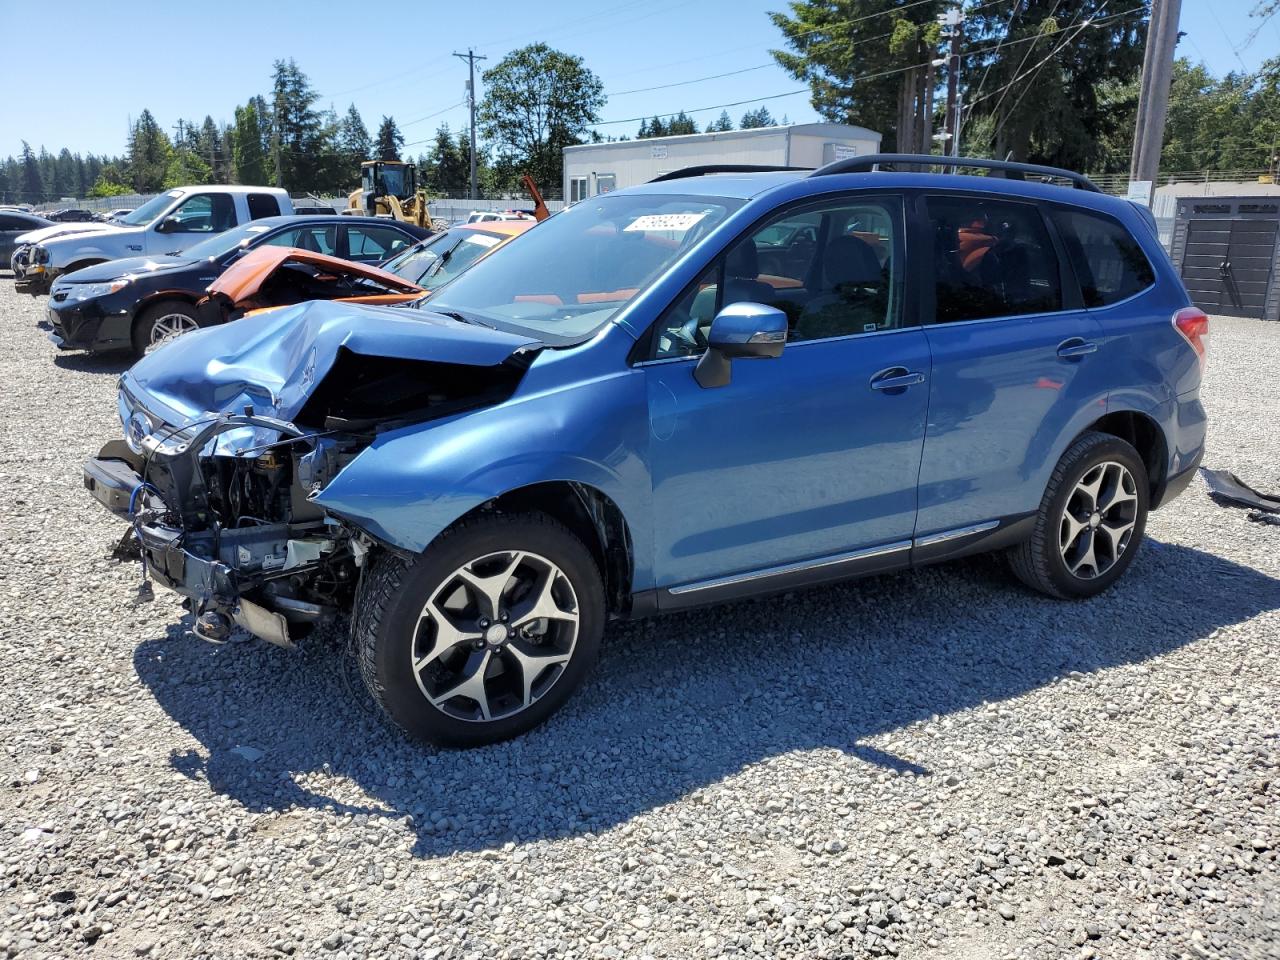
<point>99,64</point>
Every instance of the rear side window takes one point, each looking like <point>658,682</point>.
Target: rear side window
<point>992,259</point>
<point>1108,261</point>
<point>263,205</point>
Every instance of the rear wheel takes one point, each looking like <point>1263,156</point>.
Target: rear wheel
<point>484,635</point>
<point>162,323</point>
<point>1091,520</point>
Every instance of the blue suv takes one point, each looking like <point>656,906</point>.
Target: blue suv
<point>722,383</point>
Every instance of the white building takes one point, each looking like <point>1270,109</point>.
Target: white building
<point>594,168</point>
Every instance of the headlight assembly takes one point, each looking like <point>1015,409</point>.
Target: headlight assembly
<point>87,291</point>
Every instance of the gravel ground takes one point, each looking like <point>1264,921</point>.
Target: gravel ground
<point>937,764</point>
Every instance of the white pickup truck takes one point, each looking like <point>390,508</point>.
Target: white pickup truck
<point>168,223</point>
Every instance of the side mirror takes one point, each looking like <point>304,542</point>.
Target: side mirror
<point>741,331</point>
<point>167,225</point>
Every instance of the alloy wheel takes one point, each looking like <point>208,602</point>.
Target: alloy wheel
<point>1098,520</point>
<point>168,327</point>
<point>495,636</point>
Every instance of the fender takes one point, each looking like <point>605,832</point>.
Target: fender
<point>412,483</point>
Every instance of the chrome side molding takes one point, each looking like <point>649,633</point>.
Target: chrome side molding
<point>800,567</point>
<point>944,535</point>
<point>803,566</point>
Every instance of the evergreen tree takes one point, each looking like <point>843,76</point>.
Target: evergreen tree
<point>299,135</point>
<point>212,150</point>
<point>354,141</point>
<point>760,117</point>
<point>30,186</point>
<point>390,140</point>
<point>447,171</point>
<point>681,124</point>
<point>148,155</point>
<point>723,124</point>
<point>653,128</point>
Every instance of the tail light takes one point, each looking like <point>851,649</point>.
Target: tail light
<point>1193,324</point>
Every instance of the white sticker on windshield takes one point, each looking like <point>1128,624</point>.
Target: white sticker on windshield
<point>484,240</point>
<point>665,221</point>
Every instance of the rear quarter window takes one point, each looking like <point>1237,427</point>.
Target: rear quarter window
<point>263,205</point>
<point>1108,261</point>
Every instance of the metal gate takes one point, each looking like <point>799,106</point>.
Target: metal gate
<point>1226,249</point>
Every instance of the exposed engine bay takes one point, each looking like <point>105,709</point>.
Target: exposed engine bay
<point>221,509</point>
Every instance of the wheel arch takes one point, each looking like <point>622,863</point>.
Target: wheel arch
<point>1146,436</point>
<point>83,262</point>
<point>592,516</point>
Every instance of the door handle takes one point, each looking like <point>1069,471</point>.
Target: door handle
<point>1074,348</point>
<point>896,379</point>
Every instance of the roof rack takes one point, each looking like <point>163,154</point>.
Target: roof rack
<point>708,169</point>
<point>1009,169</point>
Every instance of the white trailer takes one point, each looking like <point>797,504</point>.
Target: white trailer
<point>591,169</point>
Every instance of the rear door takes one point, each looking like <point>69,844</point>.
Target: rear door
<point>1014,361</point>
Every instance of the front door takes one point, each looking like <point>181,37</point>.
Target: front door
<point>801,459</point>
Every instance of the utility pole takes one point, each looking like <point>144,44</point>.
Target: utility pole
<point>471,58</point>
<point>951,20</point>
<point>1153,95</point>
<point>182,140</point>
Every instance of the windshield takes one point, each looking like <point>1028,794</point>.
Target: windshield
<point>221,243</point>
<point>438,260</point>
<point>151,209</point>
<point>570,276</point>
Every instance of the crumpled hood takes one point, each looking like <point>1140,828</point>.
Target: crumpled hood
<point>58,230</point>
<point>273,360</point>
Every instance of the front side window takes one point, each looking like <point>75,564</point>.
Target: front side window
<point>992,258</point>
<point>572,273</point>
<point>315,239</point>
<point>834,268</point>
<point>204,213</point>
<point>1108,261</point>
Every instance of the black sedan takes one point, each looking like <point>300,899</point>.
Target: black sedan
<point>13,224</point>
<point>139,302</point>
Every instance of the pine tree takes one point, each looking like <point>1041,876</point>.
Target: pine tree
<point>390,140</point>
<point>354,141</point>
<point>760,117</point>
<point>723,124</point>
<point>31,186</point>
<point>681,124</point>
<point>299,135</point>
<point>148,155</point>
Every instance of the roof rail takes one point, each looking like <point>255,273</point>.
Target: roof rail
<point>1009,169</point>
<point>708,169</point>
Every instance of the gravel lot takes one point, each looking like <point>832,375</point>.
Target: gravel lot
<point>936,764</point>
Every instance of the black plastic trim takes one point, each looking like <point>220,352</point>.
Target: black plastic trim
<point>1010,169</point>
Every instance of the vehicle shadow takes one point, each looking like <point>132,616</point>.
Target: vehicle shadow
<point>112,363</point>
<point>680,702</point>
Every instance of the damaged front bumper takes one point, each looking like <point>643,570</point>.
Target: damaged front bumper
<point>270,578</point>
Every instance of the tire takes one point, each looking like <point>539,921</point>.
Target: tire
<point>398,624</point>
<point>167,312</point>
<point>1059,541</point>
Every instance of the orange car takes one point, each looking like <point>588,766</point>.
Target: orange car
<point>279,276</point>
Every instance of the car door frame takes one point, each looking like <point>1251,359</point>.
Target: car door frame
<point>859,562</point>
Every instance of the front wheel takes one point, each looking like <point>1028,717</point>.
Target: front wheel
<point>161,324</point>
<point>1091,520</point>
<point>484,635</point>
